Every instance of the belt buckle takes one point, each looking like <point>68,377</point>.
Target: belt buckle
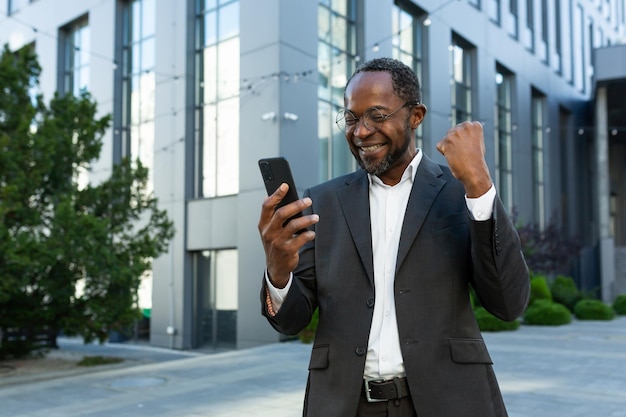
<point>368,389</point>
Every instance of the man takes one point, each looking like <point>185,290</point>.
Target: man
<point>388,258</point>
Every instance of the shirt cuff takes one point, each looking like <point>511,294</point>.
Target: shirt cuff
<point>277,295</point>
<point>481,208</point>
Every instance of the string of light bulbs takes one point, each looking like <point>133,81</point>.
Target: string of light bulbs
<point>168,77</point>
<point>427,21</point>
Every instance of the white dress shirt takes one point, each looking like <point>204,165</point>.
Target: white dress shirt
<point>387,209</point>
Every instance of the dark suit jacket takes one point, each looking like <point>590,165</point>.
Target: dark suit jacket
<point>441,252</point>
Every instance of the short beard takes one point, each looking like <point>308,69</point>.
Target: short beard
<point>380,167</point>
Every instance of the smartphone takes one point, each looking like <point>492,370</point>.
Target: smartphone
<point>276,171</point>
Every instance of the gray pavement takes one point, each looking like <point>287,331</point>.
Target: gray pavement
<point>577,370</point>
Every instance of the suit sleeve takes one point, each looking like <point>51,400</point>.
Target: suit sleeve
<point>500,277</point>
<point>300,302</point>
<point>296,311</point>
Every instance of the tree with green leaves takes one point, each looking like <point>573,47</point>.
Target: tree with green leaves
<point>71,256</point>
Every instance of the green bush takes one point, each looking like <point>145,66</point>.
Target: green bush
<point>547,313</point>
<point>539,289</point>
<point>564,291</point>
<point>487,322</point>
<point>593,310</point>
<point>619,305</point>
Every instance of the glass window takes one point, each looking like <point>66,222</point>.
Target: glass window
<point>579,64</point>
<point>228,21</point>
<point>494,11</point>
<point>226,150</point>
<point>598,39</point>
<point>217,98</point>
<point>503,136</point>
<point>513,23</point>
<point>148,18</point>
<point>544,21</point>
<point>216,298</point>
<point>461,56</point>
<point>336,61</point>
<point>227,73</point>
<point>75,64</point>
<point>565,124</point>
<point>138,83</point>
<point>538,126</point>
<point>558,37</point>
<point>407,47</point>
<point>613,215</point>
<point>17,5</point>
<point>530,22</point>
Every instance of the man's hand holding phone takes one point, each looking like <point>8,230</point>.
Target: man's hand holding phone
<point>283,230</point>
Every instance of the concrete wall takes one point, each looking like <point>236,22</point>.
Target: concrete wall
<point>279,37</point>
<point>610,63</point>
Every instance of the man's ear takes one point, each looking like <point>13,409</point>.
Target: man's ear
<point>417,115</point>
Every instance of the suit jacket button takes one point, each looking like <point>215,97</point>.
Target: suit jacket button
<point>370,302</point>
<point>360,351</point>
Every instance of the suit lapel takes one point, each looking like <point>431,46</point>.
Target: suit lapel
<point>354,200</point>
<point>426,187</point>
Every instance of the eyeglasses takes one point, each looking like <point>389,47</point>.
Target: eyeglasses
<point>372,119</point>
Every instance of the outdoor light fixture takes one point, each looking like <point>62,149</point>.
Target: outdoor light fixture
<point>290,116</point>
<point>270,115</point>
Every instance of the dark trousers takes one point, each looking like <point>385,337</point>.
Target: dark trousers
<point>391,408</point>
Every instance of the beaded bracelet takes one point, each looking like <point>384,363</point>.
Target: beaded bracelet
<point>268,303</point>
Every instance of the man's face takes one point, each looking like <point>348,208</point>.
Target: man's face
<point>387,152</point>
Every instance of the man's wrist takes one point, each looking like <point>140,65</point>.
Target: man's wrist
<point>277,284</point>
<point>275,295</point>
<point>481,208</point>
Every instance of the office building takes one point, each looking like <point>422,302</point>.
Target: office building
<point>201,89</point>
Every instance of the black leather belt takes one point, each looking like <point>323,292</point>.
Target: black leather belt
<point>384,390</point>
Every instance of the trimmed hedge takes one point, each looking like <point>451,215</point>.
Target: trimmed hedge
<point>593,310</point>
<point>547,313</point>
<point>487,322</point>
<point>619,305</point>
<point>564,291</point>
<point>539,289</point>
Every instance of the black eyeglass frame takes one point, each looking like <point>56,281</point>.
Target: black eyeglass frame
<point>340,119</point>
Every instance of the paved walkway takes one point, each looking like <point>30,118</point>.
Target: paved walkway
<point>577,370</point>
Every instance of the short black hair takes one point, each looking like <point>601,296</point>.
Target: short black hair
<point>405,83</point>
